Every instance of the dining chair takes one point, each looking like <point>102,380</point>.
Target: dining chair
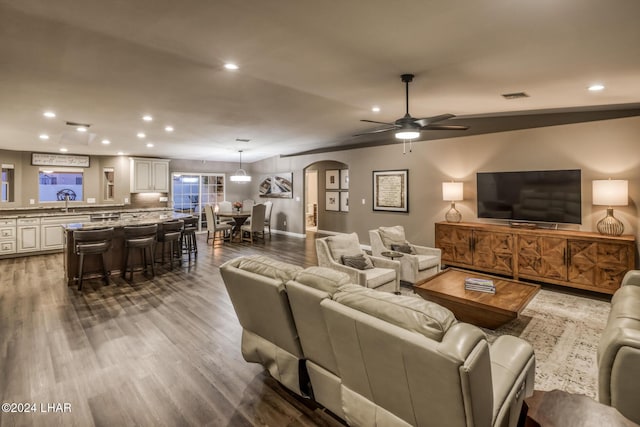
<point>256,227</point>
<point>215,227</point>
<point>267,216</point>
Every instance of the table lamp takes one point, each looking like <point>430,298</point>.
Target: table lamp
<point>451,192</point>
<point>610,192</point>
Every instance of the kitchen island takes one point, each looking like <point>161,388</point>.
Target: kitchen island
<point>115,256</point>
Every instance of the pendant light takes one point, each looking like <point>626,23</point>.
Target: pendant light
<point>240,175</point>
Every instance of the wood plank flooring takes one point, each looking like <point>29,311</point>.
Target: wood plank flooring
<point>155,352</point>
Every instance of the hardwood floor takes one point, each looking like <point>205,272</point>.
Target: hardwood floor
<point>157,352</point>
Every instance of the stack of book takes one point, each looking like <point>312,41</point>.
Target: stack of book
<point>478,284</point>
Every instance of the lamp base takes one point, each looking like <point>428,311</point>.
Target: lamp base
<point>453,215</point>
<point>610,225</point>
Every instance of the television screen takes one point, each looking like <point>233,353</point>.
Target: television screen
<point>535,196</point>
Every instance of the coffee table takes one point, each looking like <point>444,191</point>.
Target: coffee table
<point>478,308</point>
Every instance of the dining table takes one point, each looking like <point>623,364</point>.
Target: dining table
<point>239,218</point>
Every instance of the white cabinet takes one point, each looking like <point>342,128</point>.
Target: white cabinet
<point>7,236</point>
<point>149,175</point>
<point>52,233</point>
<point>28,234</point>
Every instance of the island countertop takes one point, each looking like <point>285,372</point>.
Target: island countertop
<point>140,218</point>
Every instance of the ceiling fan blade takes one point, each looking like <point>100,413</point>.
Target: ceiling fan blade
<point>444,127</point>
<point>380,123</point>
<point>375,131</point>
<point>434,119</point>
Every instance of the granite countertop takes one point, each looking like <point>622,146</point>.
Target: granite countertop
<point>142,219</point>
<point>57,211</point>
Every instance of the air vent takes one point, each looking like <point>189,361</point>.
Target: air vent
<point>78,124</point>
<point>515,95</point>
<point>242,140</point>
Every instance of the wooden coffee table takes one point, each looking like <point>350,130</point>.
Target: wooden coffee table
<point>478,308</point>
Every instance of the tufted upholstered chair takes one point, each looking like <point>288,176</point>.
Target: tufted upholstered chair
<point>384,276</point>
<point>421,264</point>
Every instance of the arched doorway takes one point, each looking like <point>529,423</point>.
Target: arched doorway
<point>322,195</point>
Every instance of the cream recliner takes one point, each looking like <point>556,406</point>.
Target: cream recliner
<point>384,276</point>
<point>415,267</point>
<point>406,361</point>
<point>619,350</point>
<point>269,337</point>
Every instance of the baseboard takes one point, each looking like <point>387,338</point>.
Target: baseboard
<point>288,233</point>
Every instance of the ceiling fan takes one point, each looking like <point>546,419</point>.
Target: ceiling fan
<point>407,127</point>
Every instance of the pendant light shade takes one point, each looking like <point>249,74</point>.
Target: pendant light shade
<point>240,175</point>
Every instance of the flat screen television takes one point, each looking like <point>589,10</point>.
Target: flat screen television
<point>531,196</point>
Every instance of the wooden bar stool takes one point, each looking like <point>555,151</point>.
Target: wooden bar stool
<point>141,237</point>
<point>93,242</point>
<point>171,232</point>
<point>189,244</point>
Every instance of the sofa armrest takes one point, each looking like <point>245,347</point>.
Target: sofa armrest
<point>425,250</point>
<point>385,263</point>
<point>611,343</point>
<point>631,278</point>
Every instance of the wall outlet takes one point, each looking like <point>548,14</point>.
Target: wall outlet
<point>164,199</point>
<point>297,198</point>
<point>32,201</point>
<point>126,200</point>
<point>364,201</point>
<point>91,200</point>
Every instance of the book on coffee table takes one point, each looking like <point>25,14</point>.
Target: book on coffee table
<point>478,284</point>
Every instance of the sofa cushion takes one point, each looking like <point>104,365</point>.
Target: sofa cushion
<point>427,261</point>
<point>392,236</point>
<point>322,278</point>
<point>265,266</point>
<point>357,261</point>
<point>379,276</point>
<point>405,249</point>
<point>343,244</point>
<point>415,314</point>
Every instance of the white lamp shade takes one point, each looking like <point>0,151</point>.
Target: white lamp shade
<point>452,191</point>
<point>611,192</point>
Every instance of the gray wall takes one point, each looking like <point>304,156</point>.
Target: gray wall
<point>600,149</point>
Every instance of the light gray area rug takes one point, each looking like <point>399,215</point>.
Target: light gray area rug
<point>564,331</point>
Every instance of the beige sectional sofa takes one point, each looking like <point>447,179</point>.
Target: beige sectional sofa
<point>619,351</point>
<point>371,357</point>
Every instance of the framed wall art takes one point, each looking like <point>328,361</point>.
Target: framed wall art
<point>344,201</point>
<point>332,179</point>
<point>333,201</point>
<point>344,179</point>
<point>391,190</point>
<point>49,159</point>
<point>277,185</point>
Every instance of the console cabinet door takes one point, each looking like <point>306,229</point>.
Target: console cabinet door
<point>493,251</point>
<point>455,243</point>
<point>598,264</point>
<point>541,256</point>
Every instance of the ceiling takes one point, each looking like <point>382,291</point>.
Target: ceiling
<point>309,70</point>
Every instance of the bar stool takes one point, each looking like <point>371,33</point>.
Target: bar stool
<point>171,232</point>
<point>93,242</point>
<point>189,244</point>
<point>141,237</point>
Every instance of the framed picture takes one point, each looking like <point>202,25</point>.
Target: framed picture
<point>344,179</point>
<point>391,190</point>
<point>333,201</point>
<point>332,179</point>
<point>344,201</point>
<point>277,185</point>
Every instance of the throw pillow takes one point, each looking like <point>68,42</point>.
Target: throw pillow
<point>343,244</point>
<point>357,261</point>
<point>405,249</point>
<point>392,235</point>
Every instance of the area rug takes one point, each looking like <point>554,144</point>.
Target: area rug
<point>564,331</point>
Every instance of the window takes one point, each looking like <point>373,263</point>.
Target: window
<point>6,183</point>
<point>190,192</point>
<point>60,184</point>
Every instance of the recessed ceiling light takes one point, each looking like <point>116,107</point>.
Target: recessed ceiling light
<point>64,150</point>
<point>141,135</point>
<point>168,128</point>
<point>375,109</point>
<point>49,114</point>
<point>230,66</point>
<point>44,136</point>
<point>149,145</point>
<point>147,118</point>
<point>81,129</point>
<point>120,153</point>
<point>596,87</point>
<point>106,142</point>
